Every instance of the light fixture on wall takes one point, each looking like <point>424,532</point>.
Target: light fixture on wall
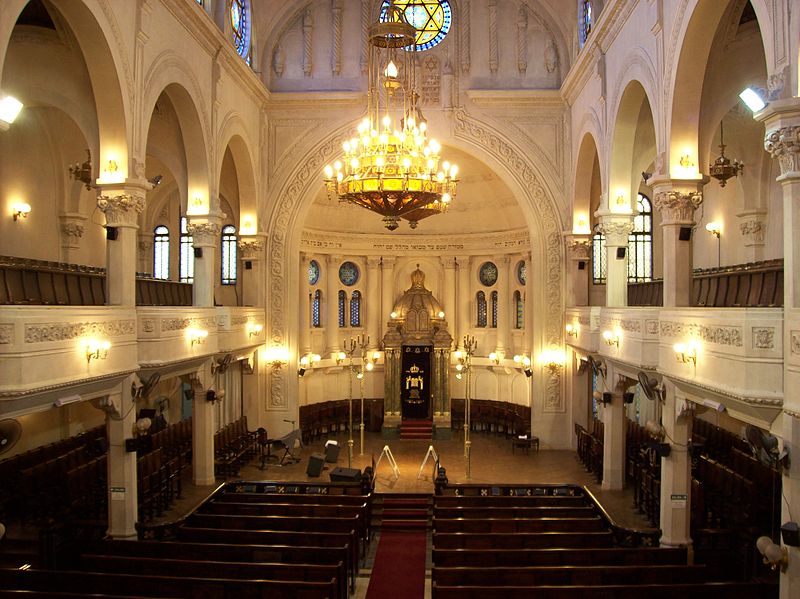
<point>9,109</point>
<point>552,360</point>
<point>306,362</point>
<point>20,210</point>
<point>775,556</point>
<point>524,362</point>
<point>571,329</point>
<point>339,357</point>
<point>196,336</point>
<point>277,357</point>
<point>685,353</point>
<point>715,229</point>
<point>753,99</point>
<point>82,172</point>
<point>254,328</point>
<point>495,357</point>
<point>611,337</point>
<point>722,168</point>
<point>96,349</point>
<point>155,181</point>
<point>686,161</point>
<point>646,177</point>
<point>390,167</point>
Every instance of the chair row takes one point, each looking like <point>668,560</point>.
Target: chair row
<point>330,417</point>
<point>490,416</point>
<point>234,446</point>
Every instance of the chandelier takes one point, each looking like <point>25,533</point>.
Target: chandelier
<point>722,168</point>
<point>390,166</point>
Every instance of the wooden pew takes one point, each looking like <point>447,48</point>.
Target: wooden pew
<point>611,556</point>
<point>510,501</point>
<point>518,525</point>
<point>543,540</point>
<point>514,512</point>
<point>28,594</point>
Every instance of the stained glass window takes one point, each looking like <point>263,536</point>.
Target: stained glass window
<point>161,252</point>
<point>313,272</point>
<point>239,13</point>
<point>586,17</point>
<point>200,2</point>
<point>599,259</point>
<point>488,274</point>
<point>355,309</point>
<point>187,254</point>
<point>519,308</point>
<point>522,272</point>
<point>431,19</point>
<point>316,322</point>
<point>494,309</point>
<point>342,303</point>
<point>480,301</point>
<point>228,255</point>
<point>348,273</point>
<point>640,242</point>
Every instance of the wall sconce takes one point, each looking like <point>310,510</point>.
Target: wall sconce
<point>21,210</point>
<point>686,161</point>
<point>611,338</point>
<point>9,109</point>
<point>440,314</point>
<point>393,315</point>
<point>620,200</point>
<point>96,349</point>
<point>111,167</point>
<point>494,357</point>
<point>83,171</point>
<point>685,353</point>
<point>254,328</point>
<point>525,362</point>
<point>714,228</point>
<point>339,357</point>
<point>552,359</point>
<point>307,362</point>
<point>571,329</point>
<point>277,357</point>
<point>196,336</point>
<point>774,555</point>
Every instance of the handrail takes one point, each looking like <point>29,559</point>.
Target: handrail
<point>623,536</point>
<point>164,531</point>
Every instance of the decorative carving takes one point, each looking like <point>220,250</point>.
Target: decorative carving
<point>204,234</point>
<point>632,326</point>
<point>775,85</point>
<point>430,80</point>
<point>72,231</point>
<point>336,58</point>
<point>308,37</point>
<point>580,249</point>
<point>251,249</point>
<point>719,335</point>
<point>447,83</point>
<point>122,209</point>
<point>754,230</point>
<point>794,341</point>
<point>677,206</point>
<point>763,337</point>
<point>6,334</point>
<point>522,40</point>
<point>148,325</point>
<point>651,327</point>
<point>139,169</point>
<point>493,57</point>
<point>551,56</point>
<point>64,331</point>
<point>784,144</point>
<point>278,60</point>
<point>616,230</point>
<point>465,37</point>
<point>178,324</point>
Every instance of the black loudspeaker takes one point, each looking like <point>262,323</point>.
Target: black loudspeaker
<point>331,452</point>
<point>111,233</point>
<point>248,265</point>
<point>685,233</point>
<point>621,253</point>
<point>627,397</point>
<point>198,252</point>
<point>345,475</point>
<point>315,463</point>
<point>581,264</point>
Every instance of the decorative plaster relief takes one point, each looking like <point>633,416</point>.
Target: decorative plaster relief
<point>6,334</point>
<point>719,335</point>
<point>753,230</point>
<point>465,37</point>
<point>651,327</point>
<point>121,209</point>
<point>204,234</point>
<point>178,324</point>
<point>251,249</point>
<point>632,326</point>
<point>763,337</point>
<point>784,144</point>
<point>431,81</point>
<point>795,342</point>
<point>583,320</point>
<point>148,325</point>
<point>676,206</point>
<point>62,331</point>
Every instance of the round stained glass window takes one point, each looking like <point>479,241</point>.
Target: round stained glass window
<point>431,19</point>
<point>348,274</point>
<point>313,272</point>
<point>522,272</point>
<point>488,274</point>
<point>239,26</point>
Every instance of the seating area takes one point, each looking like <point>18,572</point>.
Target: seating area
<point>234,446</point>
<point>330,417</point>
<point>590,447</point>
<point>489,416</point>
<point>557,541</point>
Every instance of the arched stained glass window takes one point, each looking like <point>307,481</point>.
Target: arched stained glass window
<point>228,255</point>
<point>640,242</point>
<point>519,309</point>
<point>313,272</point>
<point>342,304</point>
<point>494,309</point>
<point>480,302</point>
<point>161,252</point>
<point>586,16</point>
<point>599,259</point>
<point>431,19</point>
<point>522,272</point>
<point>355,309</point>
<point>239,12</point>
<point>186,265</point>
<point>316,322</point>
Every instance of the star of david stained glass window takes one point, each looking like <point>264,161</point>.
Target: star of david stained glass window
<point>431,19</point>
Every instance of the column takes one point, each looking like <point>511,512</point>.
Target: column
<point>145,246</point>
<point>331,304</point>
<point>372,302</point>
<point>530,293</point>
<point>71,235</point>
<point>122,490</point>
<point>503,304</point>
<point>251,250</point>
<point>579,253</point>
<point>202,428</point>
<point>205,232</point>
<point>305,307</point>
<point>121,204</point>
<point>614,442</point>
<point>449,265</point>
<point>464,313</point>
<point>387,290</point>
<point>677,201</point>
<point>617,228</point>
<point>676,499</point>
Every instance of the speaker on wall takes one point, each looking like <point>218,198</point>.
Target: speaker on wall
<point>621,253</point>
<point>685,233</point>
<point>581,264</point>
<point>111,233</point>
<point>198,252</point>
<point>346,475</point>
<point>315,463</point>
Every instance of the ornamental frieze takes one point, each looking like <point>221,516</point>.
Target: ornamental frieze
<point>6,334</point>
<point>763,337</point>
<point>178,324</point>
<point>631,326</point>
<point>719,335</point>
<point>60,331</point>
<point>754,230</point>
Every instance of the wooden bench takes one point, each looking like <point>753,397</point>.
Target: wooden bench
<point>514,512</point>
<point>509,501</point>
<point>518,525</point>
<point>542,540</point>
<point>611,556</point>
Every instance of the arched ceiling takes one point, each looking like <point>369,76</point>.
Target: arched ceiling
<point>484,204</point>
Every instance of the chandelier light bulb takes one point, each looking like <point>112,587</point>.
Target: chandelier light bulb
<point>446,198</point>
<point>453,171</point>
<point>440,176</point>
<point>337,165</point>
<point>387,121</point>
<point>339,176</point>
<point>379,162</point>
<point>384,139</point>
<point>423,126</point>
<point>446,166</point>
<point>354,163</point>
<point>411,122</point>
<point>346,146</point>
<point>391,70</point>
<point>435,146</point>
<point>328,171</point>
<point>406,163</point>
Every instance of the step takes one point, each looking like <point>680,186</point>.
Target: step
<point>403,514</point>
<point>404,525</point>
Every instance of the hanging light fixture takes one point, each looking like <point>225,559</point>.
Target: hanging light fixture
<point>390,166</point>
<point>722,168</point>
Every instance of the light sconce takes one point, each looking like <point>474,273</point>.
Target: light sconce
<point>393,315</point>
<point>21,210</point>
<point>494,357</point>
<point>714,228</point>
<point>339,357</point>
<point>9,109</point>
<point>111,167</point>
<point>611,338</point>
<point>197,202</point>
<point>254,328</point>
<point>752,99</point>
<point>307,362</point>
<point>440,314</point>
<point>685,353</point>
<point>686,161</point>
<point>620,200</point>
<point>552,359</point>
<point>525,362</point>
<point>96,349</point>
<point>774,555</point>
<point>196,336</point>
<point>722,168</point>
<point>571,329</point>
<point>83,171</point>
<point>277,357</point>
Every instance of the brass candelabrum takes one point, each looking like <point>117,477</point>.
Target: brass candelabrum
<point>465,359</point>
<point>350,345</point>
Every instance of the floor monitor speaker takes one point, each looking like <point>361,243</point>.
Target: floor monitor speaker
<point>331,452</point>
<point>315,463</point>
<point>345,475</point>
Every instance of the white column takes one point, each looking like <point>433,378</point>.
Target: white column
<point>205,232</point>
<point>503,303</point>
<point>331,304</point>
<point>464,300</point>
<point>305,307</point>
<point>676,498</point>
<point>254,278</point>
<point>387,290</point>
<point>449,295</point>
<point>616,228</point>
<point>122,489</point>
<point>614,443</point>
<point>72,227</point>
<point>372,302</point>
<point>202,429</point>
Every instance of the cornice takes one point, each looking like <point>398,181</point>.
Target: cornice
<point>485,98</point>
<point>316,100</point>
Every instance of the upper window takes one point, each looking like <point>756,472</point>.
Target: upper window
<point>240,24</point>
<point>522,272</point>
<point>355,309</point>
<point>640,242</point>
<point>200,2</point>
<point>313,272</point>
<point>494,309</point>
<point>161,252</point>
<point>431,19</point>
<point>480,300</point>
<point>342,305</point>
<point>586,20</point>
<point>348,273</point>
<point>315,309</point>
<point>519,309</point>
<point>228,255</point>
<point>488,274</point>
<point>187,254</point>
<point>599,259</point>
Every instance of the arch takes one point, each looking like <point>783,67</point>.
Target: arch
<point>233,136</point>
<point>587,169</point>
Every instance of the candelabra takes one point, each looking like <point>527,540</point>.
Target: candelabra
<point>362,341</point>
<point>349,349</point>
<point>466,360</point>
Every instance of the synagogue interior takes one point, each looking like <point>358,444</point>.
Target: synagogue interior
<point>511,273</point>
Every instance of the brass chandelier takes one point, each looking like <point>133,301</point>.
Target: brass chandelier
<point>722,168</point>
<point>390,166</point>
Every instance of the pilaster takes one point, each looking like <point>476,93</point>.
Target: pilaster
<point>305,306</point>
<point>579,253</point>
<point>205,231</point>
<point>71,229</point>
<point>373,303</point>
<point>331,304</point>
<point>676,488</point>
<point>616,227</point>
<point>202,428</point>
<point>122,481</point>
<point>614,443</point>
<point>387,290</point>
<point>503,303</point>
<point>251,251</point>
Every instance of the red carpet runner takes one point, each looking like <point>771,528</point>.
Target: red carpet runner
<point>399,568</point>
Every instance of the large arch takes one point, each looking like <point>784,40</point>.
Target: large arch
<point>586,165</point>
<point>233,136</point>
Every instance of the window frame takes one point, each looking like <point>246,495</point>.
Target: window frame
<point>186,254</point>
<point>161,253</point>
<point>228,253</point>
<point>355,308</point>
<point>481,309</point>
<point>640,242</point>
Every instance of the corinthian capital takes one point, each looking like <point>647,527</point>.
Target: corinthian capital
<point>203,233</point>
<point>616,229</point>
<point>677,206</point>
<point>251,249</point>
<point>784,144</point>
<point>121,210</point>
<point>580,248</point>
